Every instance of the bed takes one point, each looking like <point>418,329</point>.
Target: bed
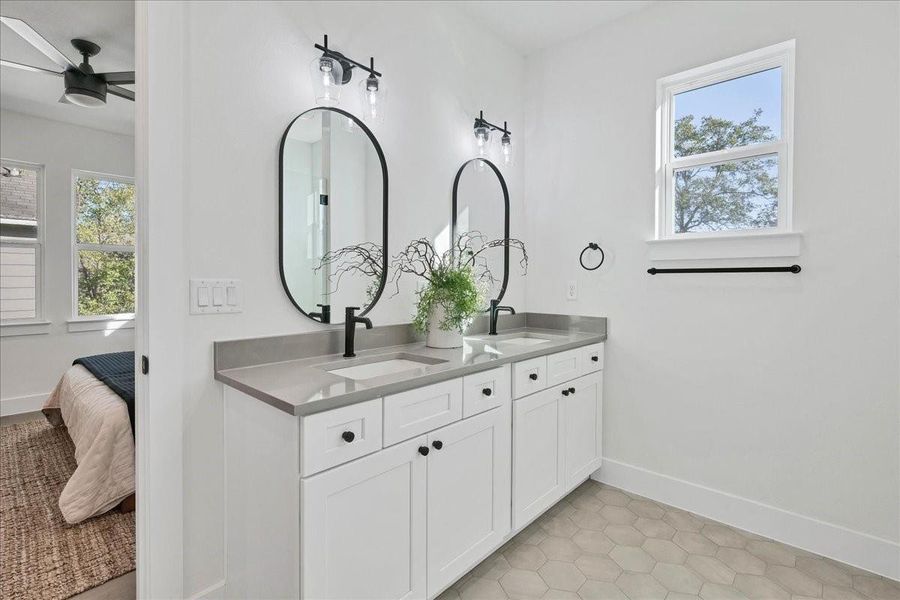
<point>91,400</point>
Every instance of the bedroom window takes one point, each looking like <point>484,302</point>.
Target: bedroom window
<point>724,147</point>
<point>21,236</point>
<point>103,253</point>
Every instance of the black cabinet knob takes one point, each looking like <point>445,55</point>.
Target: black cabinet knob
<point>487,391</point>
<point>571,390</point>
<point>438,444</point>
<point>423,450</point>
<point>348,436</point>
<point>595,358</point>
<point>565,392</point>
<point>533,377</point>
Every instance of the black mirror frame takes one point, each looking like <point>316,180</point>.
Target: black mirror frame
<point>384,216</point>
<point>505,217</point>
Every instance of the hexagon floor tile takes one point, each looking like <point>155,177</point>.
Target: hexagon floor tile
<point>603,543</point>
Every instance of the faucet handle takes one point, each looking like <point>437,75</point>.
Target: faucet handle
<point>350,312</point>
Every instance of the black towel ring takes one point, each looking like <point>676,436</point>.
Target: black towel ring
<point>591,246</point>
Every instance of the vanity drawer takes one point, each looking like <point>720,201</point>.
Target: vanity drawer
<point>565,366</point>
<point>418,411</point>
<point>337,436</point>
<point>529,376</point>
<point>592,358</point>
<point>486,390</point>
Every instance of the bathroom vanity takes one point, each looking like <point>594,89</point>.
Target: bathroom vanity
<point>392,474</point>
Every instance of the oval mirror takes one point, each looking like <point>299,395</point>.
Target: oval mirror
<point>333,204</point>
<point>481,208</point>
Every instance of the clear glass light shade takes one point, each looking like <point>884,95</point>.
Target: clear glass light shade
<point>373,93</point>
<point>507,150</point>
<point>482,140</point>
<point>327,76</point>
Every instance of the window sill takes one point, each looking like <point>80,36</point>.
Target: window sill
<point>24,328</point>
<point>762,245</point>
<point>101,324</point>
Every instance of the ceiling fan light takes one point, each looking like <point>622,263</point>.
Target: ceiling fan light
<point>85,98</point>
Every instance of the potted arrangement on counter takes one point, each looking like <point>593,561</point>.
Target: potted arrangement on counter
<point>455,283</point>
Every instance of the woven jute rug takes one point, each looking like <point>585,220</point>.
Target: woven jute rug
<point>41,556</point>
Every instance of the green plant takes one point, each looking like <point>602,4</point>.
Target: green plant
<point>456,279</point>
<point>455,290</point>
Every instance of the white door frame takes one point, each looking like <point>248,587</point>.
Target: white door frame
<point>159,178</point>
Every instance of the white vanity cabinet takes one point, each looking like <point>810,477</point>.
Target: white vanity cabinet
<point>397,497</point>
<point>557,433</point>
<point>468,498</point>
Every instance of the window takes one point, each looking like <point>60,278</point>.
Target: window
<point>104,235</point>
<point>724,141</point>
<point>21,234</point>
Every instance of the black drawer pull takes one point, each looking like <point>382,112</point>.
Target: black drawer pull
<point>438,444</point>
<point>533,377</point>
<point>487,391</point>
<point>423,450</point>
<point>571,390</point>
<point>565,392</point>
<point>348,436</point>
<point>595,358</point>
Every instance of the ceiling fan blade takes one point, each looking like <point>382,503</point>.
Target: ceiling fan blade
<point>37,40</point>
<point>15,65</point>
<point>126,77</point>
<point>120,92</point>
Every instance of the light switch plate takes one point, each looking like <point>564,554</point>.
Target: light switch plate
<point>571,290</point>
<point>214,296</point>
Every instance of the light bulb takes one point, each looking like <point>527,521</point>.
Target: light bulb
<point>482,139</point>
<point>507,149</point>
<point>328,78</point>
<point>373,94</point>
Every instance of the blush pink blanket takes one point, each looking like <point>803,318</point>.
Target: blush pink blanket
<point>97,421</point>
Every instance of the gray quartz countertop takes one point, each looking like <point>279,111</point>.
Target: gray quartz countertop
<point>304,386</point>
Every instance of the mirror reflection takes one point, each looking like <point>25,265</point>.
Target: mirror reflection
<point>481,208</point>
<point>333,211</point>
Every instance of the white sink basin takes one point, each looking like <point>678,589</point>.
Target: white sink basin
<point>521,339</point>
<point>379,366</point>
<point>524,341</point>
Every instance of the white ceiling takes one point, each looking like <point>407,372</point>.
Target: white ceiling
<point>108,23</point>
<point>532,26</point>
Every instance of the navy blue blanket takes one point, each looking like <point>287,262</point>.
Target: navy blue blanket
<point>116,370</point>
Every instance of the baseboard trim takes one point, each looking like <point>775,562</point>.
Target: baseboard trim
<point>22,404</point>
<point>210,592</point>
<point>855,548</point>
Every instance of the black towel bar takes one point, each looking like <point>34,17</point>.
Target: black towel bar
<point>791,269</point>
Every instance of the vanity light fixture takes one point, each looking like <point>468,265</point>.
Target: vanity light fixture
<point>482,130</point>
<point>332,70</point>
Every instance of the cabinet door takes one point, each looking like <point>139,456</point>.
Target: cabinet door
<point>583,418</point>
<point>362,527</point>
<point>538,459</point>
<point>468,494</point>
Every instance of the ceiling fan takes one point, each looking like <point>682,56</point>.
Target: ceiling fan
<point>83,87</point>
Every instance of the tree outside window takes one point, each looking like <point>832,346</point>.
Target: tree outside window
<point>104,245</point>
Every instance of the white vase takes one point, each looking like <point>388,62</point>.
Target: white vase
<point>437,337</point>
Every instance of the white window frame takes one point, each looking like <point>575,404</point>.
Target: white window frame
<point>778,55</point>
<point>94,322</point>
<point>37,324</point>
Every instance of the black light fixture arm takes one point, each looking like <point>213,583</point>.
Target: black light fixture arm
<point>340,57</point>
<point>480,121</point>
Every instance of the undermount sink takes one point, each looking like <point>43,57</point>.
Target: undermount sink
<point>379,366</point>
<point>521,339</point>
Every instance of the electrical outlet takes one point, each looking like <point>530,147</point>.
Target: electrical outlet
<point>571,290</point>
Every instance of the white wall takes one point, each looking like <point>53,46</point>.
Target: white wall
<point>33,364</point>
<point>239,98</point>
<point>776,388</point>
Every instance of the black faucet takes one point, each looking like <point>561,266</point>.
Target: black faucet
<point>350,321</point>
<point>325,315</point>
<point>495,312</point>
